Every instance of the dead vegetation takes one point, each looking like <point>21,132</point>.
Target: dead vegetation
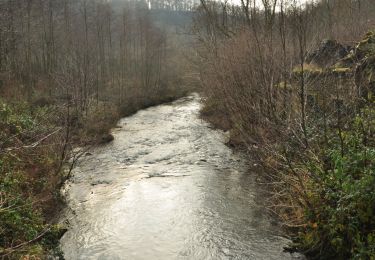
<point>68,71</point>
<point>298,104</point>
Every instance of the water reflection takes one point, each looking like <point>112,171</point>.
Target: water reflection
<point>167,188</point>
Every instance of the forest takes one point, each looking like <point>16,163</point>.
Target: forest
<point>292,82</point>
<point>69,70</point>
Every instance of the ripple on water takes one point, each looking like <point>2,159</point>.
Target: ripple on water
<point>167,188</point>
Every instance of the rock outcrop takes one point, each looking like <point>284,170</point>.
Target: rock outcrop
<point>327,54</point>
<point>365,68</point>
<point>335,71</point>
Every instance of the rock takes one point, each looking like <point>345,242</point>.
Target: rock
<point>61,232</point>
<point>366,47</point>
<point>328,53</point>
<point>107,138</point>
<point>365,78</point>
<point>363,60</point>
<point>99,182</point>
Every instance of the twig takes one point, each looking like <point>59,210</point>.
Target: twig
<point>15,248</point>
<point>33,145</point>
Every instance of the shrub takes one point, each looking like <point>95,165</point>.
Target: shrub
<point>342,217</point>
<point>26,181</point>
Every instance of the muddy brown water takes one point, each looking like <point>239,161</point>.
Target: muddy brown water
<point>167,188</point>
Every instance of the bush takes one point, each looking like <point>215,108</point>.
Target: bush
<point>97,122</point>
<point>26,182</point>
<point>342,217</point>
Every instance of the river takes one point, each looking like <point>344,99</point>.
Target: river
<point>167,187</point>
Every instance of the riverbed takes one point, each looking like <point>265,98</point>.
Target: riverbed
<point>167,187</point>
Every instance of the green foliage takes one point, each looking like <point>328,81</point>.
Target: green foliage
<point>342,217</point>
<point>10,115</point>
<point>21,218</point>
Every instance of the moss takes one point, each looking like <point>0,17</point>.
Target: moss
<point>365,77</point>
<point>307,73</point>
<point>341,70</point>
<point>284,85</point>
<point>308,68</point>
<point>366,47</point>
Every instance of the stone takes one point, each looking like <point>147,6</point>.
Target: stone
<point>328,53</point>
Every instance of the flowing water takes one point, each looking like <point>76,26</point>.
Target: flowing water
<point>167,188</point>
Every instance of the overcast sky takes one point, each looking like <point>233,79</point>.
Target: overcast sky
<point>260,1</point>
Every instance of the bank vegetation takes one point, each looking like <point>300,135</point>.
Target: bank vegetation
<point>294,83</point>
<point>69,69</point>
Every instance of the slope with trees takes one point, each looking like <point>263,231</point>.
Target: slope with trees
<point>69,69</point>
<point>303,108</point>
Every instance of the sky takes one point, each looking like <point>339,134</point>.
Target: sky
<point>238,2</point>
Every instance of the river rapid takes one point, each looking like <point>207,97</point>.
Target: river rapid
<point>167,187</point>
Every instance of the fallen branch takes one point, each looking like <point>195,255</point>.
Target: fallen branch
<point>33,145</point>
<point>8,251</point>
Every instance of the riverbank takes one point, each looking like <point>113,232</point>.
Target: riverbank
<point>176,191</point>
<point>314,139</point>
<point>37,150</point>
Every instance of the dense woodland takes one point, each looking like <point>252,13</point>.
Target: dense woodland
<point>292,82</point>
